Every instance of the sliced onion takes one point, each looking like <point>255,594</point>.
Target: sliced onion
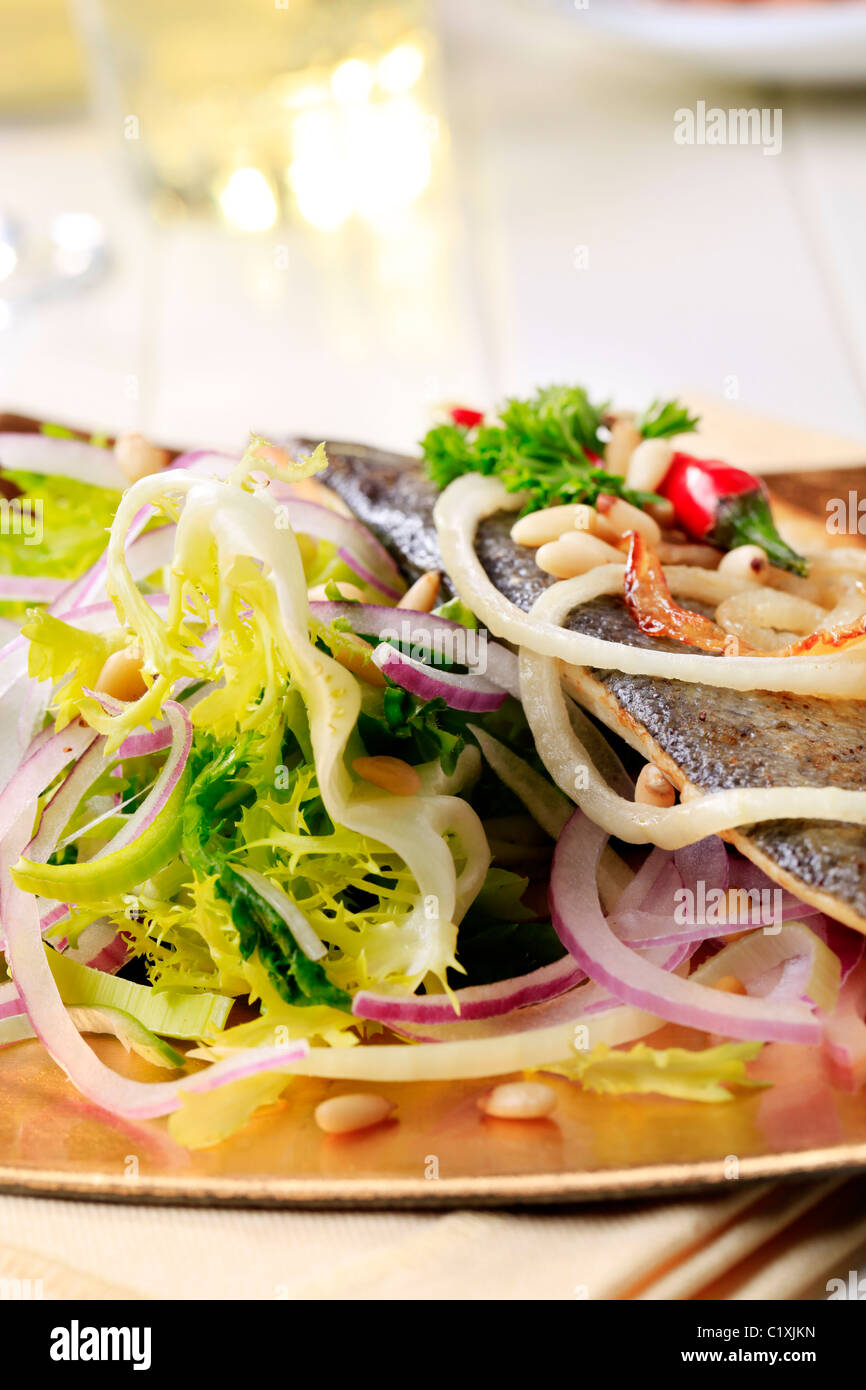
<point>474,1002</point>
<point>448,1017</point>
<point>100,946</point>
<point>428,683</point>
<point>760,953</point>
<point>703,861</point>
<point>845,1030</point>
<point>427,632</point>
<point>54,915</point>
<point>533,1037</point>
<point>10,1000</point>
<point>287,908</point>
<point>580,925</point>
<point>845,943</point>
<point>129,857</point>
<point>87,770</point>
<point>564,756</point>
<point>357,545</point>
<point>39,769</point>
<point>58,457</point>
<point>30,588</point>
<point>147,551</point>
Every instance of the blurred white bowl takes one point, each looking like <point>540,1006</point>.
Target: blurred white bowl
<point>819,43</point>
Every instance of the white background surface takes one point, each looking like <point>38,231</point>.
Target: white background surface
<point>719,268</point>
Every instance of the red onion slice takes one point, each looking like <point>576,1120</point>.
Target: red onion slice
<point>427,633</point>
<point>472,693</point>
<point>351,538</point>
<point>30,588</point>
<point>39,769</point>
<point>170,774</point>
<point>10,1000</point>
<point>87,770</point>
<point>475,1002</point>
<point>706,862</point>
<point>845,1029</point>
<point>582,929</point>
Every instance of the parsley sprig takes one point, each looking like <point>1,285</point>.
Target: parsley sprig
<point>665,418</point>
<point>550,446</point>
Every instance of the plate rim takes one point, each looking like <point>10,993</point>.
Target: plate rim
<point>706,1176</point>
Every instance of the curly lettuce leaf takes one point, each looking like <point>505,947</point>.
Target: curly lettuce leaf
<point>58,650</point>
<point>703,1075</point>
<point>260,930</point>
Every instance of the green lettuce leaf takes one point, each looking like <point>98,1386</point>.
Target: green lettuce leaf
<point>703,1075</point>
<point>71,535</point>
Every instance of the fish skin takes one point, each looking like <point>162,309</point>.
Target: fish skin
<point>746,738</point>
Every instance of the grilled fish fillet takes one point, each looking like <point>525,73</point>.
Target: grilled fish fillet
<point>705,738</point>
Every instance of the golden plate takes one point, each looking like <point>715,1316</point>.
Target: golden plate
<point>440,1150</point>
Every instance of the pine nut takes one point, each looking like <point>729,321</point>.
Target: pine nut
<point>548,525</point>
<point>625,437</point>
<point>519,1100</point>
<point>586,518</point>
<point>422,595</point>
<point>121,675</point>
<point>624,517</point>
<point>653,788</point>
<point>138,458</point>
<point>648,464</point>
<point>729,984</point>
<point>684,553</point>
<point>356,655</point>
<point>346,590</point>
<point>346,1114</point>
<point>576,553</point>
<point>391,774</point>
<point>746,562</point>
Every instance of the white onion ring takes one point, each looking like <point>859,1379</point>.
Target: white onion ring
<point>564,756</point>
<point>472,497</point>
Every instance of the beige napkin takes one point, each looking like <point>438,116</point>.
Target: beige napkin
<point>763,1241</point>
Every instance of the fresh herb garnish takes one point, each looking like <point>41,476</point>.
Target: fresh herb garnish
<point>425,729</point>
<point>665,418</point>
<point>550,446</point>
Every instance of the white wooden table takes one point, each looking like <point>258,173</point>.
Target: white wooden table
<point>717,268</point>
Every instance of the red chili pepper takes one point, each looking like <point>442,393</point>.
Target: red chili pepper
<point>649,601</point>
<point>462,415</point>
<point>727,507</point>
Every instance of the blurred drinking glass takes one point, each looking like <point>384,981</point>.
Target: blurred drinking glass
<point>260,110</point>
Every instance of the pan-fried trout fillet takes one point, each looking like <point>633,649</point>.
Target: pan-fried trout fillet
<point>704,737</point>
